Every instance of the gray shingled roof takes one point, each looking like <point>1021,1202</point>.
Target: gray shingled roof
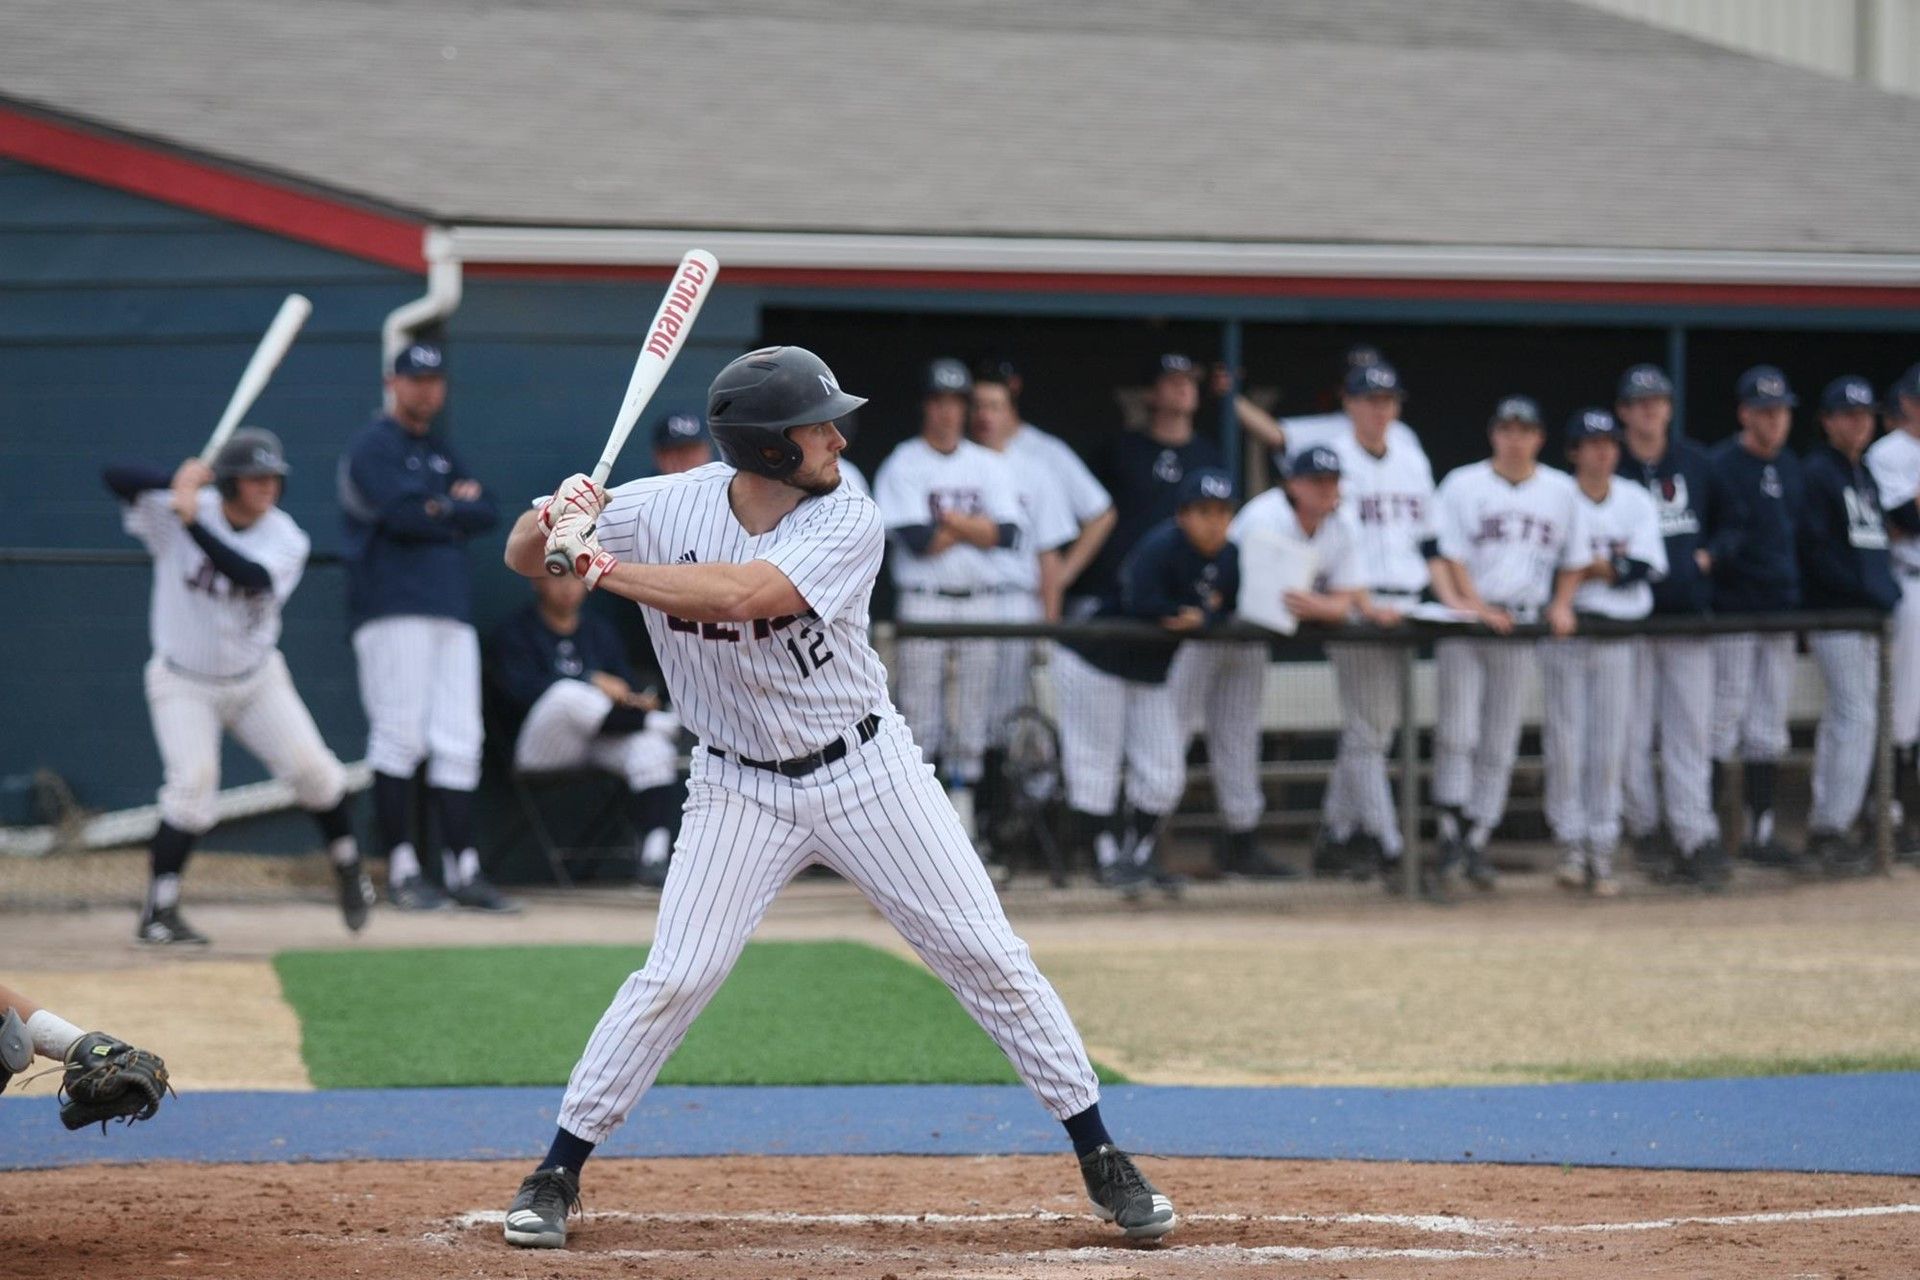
<point>1454,122</point>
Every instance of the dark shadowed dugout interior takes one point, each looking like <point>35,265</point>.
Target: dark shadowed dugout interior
<point>1525,197</point>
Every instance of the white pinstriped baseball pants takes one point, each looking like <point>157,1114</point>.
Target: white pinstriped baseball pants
<point>1477,736</point>
<point>1368,678</point>
<point>420,685</point>
<point>562,731</point>
<point>1219,690</point>
<point>1589,699</point>
<point>263,710</point>
<point>1013,662</point>
<point>1673,700</point>
<point>1843,745</point>
<point>948,716</point>
<point>1108,725</point>
<point>879,818</point>
<point>1752,678</point>
<point>1906,662</point>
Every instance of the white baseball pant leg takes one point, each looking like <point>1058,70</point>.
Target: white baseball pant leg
<point>1588,687</point>
<point>1688,695</point>
<point>1906,663</point>
<point>948,711</point>
<point>1754,678</point>
<point>1456,731</point>
<point>1564,736</point>
<point>186,728</point>
<point>1482,684</point>
<point>1013,662</point>
<point>1843,745</point>
<point>1640,790</point>
<point>1091,708</point>
<point>1156,750</point>
<point>1220,690</point>
<point>560,726</point>
<point>269,719</point>
<point>420,685</point>
<point>879,818</point>
<point>1368,679</point>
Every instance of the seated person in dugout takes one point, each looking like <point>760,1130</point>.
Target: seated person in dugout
<point>563,677</point>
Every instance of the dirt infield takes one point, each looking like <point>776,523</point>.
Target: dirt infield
<point>875,1218</point>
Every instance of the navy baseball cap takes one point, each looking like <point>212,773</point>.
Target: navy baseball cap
<point>1517,409</point>
<point>947,377</point>
<point>1849,391</point>
<point>1763,387</point>
<point>1203,484</point>
<point>420,360</point>
<point>1172,362</point>
<point>677,429</point>
<point>1643,382</point>
<point>1907,384</point>
<point>1378,379</point>
<point>1314,460</point>
<point>1591,424</point>
<point>1362,354</point>
<point>996,369</point>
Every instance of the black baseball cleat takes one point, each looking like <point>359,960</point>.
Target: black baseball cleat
<point>1364,855</point>
<point>651,875</point>
<point>1331,855</point>
<point>417,893</point>
<point>477,895</point>
<point>1706,866</point>
<point>1837,855</point>
<point>1480,873</point>
<point>1241,856</point>
<point>537,1218</point>
<point>1122,1195</point>
<point>356,893</point>
<point>166,927</point>
<point>1125,875</point>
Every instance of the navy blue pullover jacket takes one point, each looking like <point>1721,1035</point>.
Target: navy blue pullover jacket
<point>1681,485</point>
<point>405,535</point>
<point>1757,506</point>
<point>1163,575</point>
<point>1843,540</point>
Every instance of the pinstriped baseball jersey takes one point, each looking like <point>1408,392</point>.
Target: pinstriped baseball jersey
<point>917,482</point>
<point>773,688</point>
<point>1894,463</point>
<point>1511,537</point>
<point>1045,518</point>
<point>1390,499</point>
<point>200,622</point>
<point>1085,496</point>
<point>1626,523</point>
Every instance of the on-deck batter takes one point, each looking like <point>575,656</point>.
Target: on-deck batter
<point>225,559</point>
<point>754,576</point>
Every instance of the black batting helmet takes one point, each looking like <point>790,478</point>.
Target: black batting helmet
<point>757,398</point>
<point>250,451</point>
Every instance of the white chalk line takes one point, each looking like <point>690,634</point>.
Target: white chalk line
<point>1248,1254</point>
<point>1430,1223</point>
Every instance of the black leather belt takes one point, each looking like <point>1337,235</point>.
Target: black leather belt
<point>801,766</point>
<point>959,593</point>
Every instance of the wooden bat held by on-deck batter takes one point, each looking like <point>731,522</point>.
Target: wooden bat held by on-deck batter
<point>266,357</point>
<point>692,281</point>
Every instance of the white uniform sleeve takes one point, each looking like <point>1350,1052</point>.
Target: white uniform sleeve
<point>1450,504</point>
<point>1340,557</point>
<point>1053,522</point>
<point>1576,550</point>
<point>1086,496</point>
<point>836,556</point>
<point>1895,472</point>
<point>901,500</point>
<point>150,518</point>
<point>1644,542</point>
<point>285,558</point>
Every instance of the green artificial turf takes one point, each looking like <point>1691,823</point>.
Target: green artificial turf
<point>790,1013</point>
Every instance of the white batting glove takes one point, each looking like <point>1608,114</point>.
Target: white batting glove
<point>588,560</point>
<point>664,723</point>
<point>578,500</point>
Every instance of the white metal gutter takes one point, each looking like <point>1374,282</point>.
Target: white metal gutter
<point>537,246</point>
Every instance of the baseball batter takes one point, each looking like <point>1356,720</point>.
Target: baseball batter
<point>1588,682</point>
<point>1673,674</point>
<point>225,561</point>
<point>1758,501</point>
<point>1387,492</point>
<point>1511,532</point>
<point>949,506</point>
<point>1894,462</point>
<point>1844,561</point>
<point>754,578</point>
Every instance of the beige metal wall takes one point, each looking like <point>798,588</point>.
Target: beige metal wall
<point>1875,41</point>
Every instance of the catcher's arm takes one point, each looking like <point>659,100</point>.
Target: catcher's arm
<point>103,1078</point>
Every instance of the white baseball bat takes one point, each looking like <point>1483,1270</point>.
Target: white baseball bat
<point>692,282</point>
<point>266,358</point>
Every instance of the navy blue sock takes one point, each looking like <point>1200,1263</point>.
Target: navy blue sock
<point>567,1151</point>
<point>1088,1131</point>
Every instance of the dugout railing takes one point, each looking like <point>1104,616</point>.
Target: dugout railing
<point>1413,638</point>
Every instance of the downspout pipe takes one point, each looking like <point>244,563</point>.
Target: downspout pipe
<point>441,299</point>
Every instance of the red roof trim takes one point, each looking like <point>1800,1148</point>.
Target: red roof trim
<point>190,184</point>
<point>1589,292</point>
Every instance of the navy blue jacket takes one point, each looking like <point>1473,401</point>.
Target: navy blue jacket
<point>1681,485</point>
<point>1143,477</point>
<point>528,656</point>
<point>405,537</point>
<point>1843,540</point>
<point>1757,506</point>
<point>1163,575</point>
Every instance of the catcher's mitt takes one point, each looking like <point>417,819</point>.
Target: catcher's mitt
<point>108,1079</point>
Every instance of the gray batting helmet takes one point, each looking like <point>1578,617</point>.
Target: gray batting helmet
<point>250,451</point>
<point>760,396</point>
